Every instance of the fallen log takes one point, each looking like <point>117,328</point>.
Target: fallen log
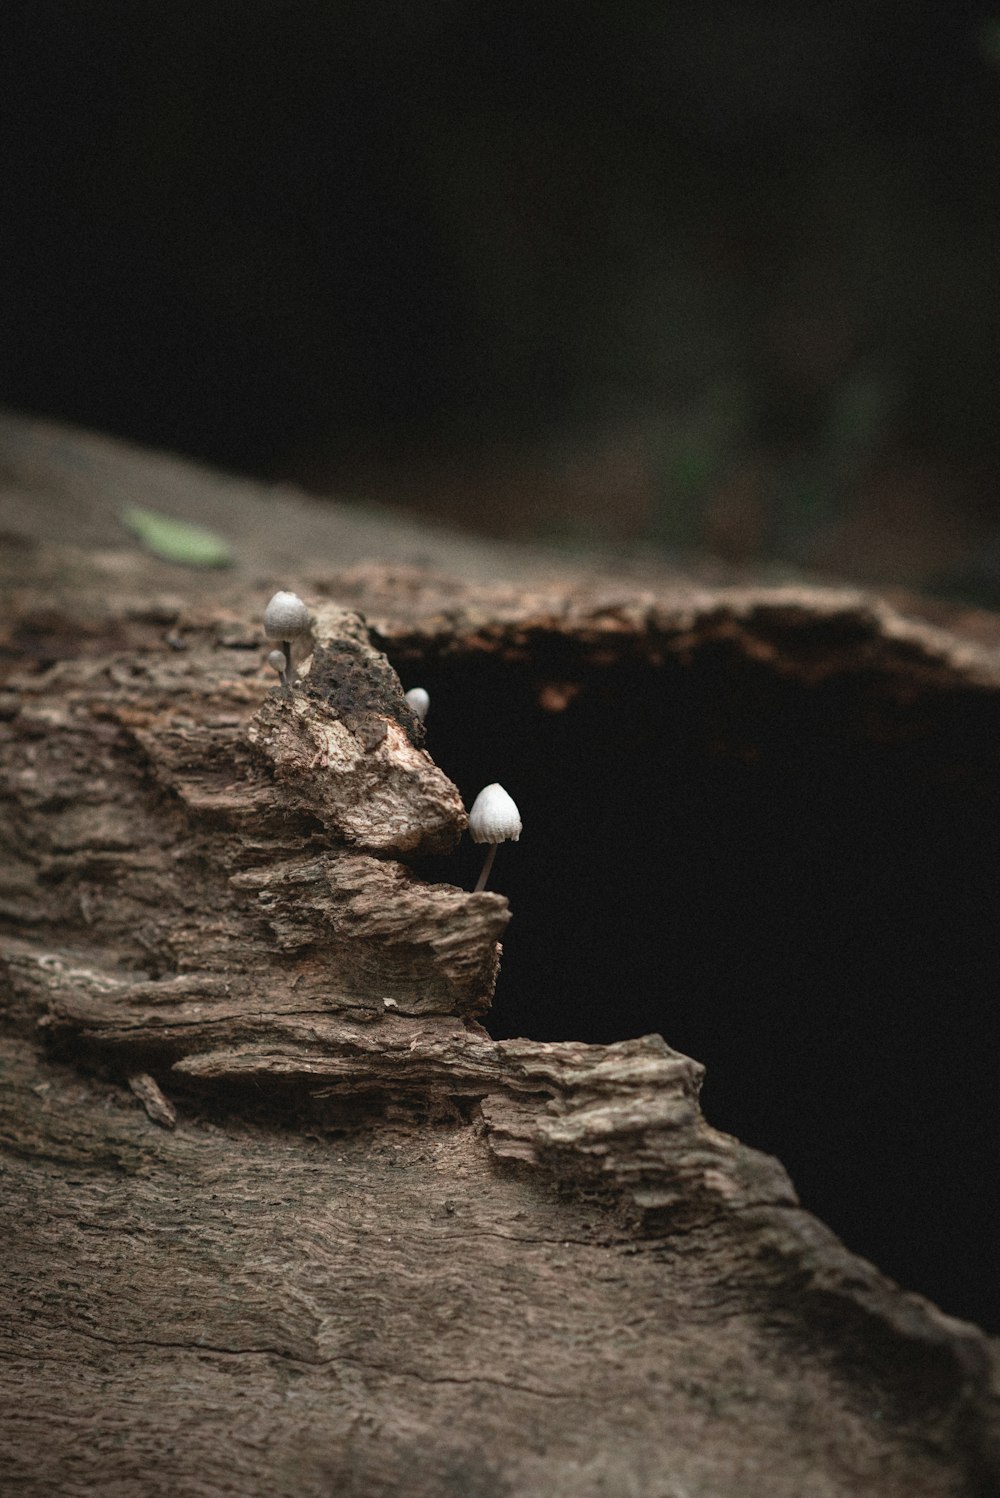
<point>281,1214</point>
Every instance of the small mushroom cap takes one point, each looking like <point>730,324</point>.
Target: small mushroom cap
<point>418,701</point>
<point>277,662</point>
<point>285,617</point>
<point>494,818</point>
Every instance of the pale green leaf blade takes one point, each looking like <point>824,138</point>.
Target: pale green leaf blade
<point>177,540</point>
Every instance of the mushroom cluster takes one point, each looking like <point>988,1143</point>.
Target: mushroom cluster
<point>494,817</point>
<point>286,618</point>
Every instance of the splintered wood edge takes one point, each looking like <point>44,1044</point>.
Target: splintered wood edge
<point>804,633</point>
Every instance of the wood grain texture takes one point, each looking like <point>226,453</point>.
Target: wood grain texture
<point>279,1216</point>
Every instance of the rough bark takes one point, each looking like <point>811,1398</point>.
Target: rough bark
<point>280,1216</point>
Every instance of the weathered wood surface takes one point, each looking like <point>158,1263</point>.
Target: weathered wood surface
<point>279,1216</point>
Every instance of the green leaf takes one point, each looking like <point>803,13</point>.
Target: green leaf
<point>177,541</point>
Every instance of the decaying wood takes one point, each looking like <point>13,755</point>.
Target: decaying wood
<point>160,1109</point>
<point>374,1251</point>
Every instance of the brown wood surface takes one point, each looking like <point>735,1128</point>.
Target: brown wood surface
<point>279,1216</point>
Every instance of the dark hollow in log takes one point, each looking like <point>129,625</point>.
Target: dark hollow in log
<point>792,879</point>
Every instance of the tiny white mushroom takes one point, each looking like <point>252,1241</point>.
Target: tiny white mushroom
<point>418,701</point>
<point>286,618</point>
<point>494,819</point>
<point>278,661</point>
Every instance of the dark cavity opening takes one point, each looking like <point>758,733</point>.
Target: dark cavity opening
<point>794,884</point>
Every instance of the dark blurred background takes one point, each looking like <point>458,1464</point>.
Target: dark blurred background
<point>717,275</point>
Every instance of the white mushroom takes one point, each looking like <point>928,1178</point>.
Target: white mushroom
<point>278,661</point>
<point>418,701</point>
<point>286,618</point>
<point>494,819</point>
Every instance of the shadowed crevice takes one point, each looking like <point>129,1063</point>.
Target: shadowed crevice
<point>794,884</point>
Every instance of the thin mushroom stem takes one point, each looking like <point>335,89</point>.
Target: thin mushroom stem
<point>286,646</point>
<point>481,882</point>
